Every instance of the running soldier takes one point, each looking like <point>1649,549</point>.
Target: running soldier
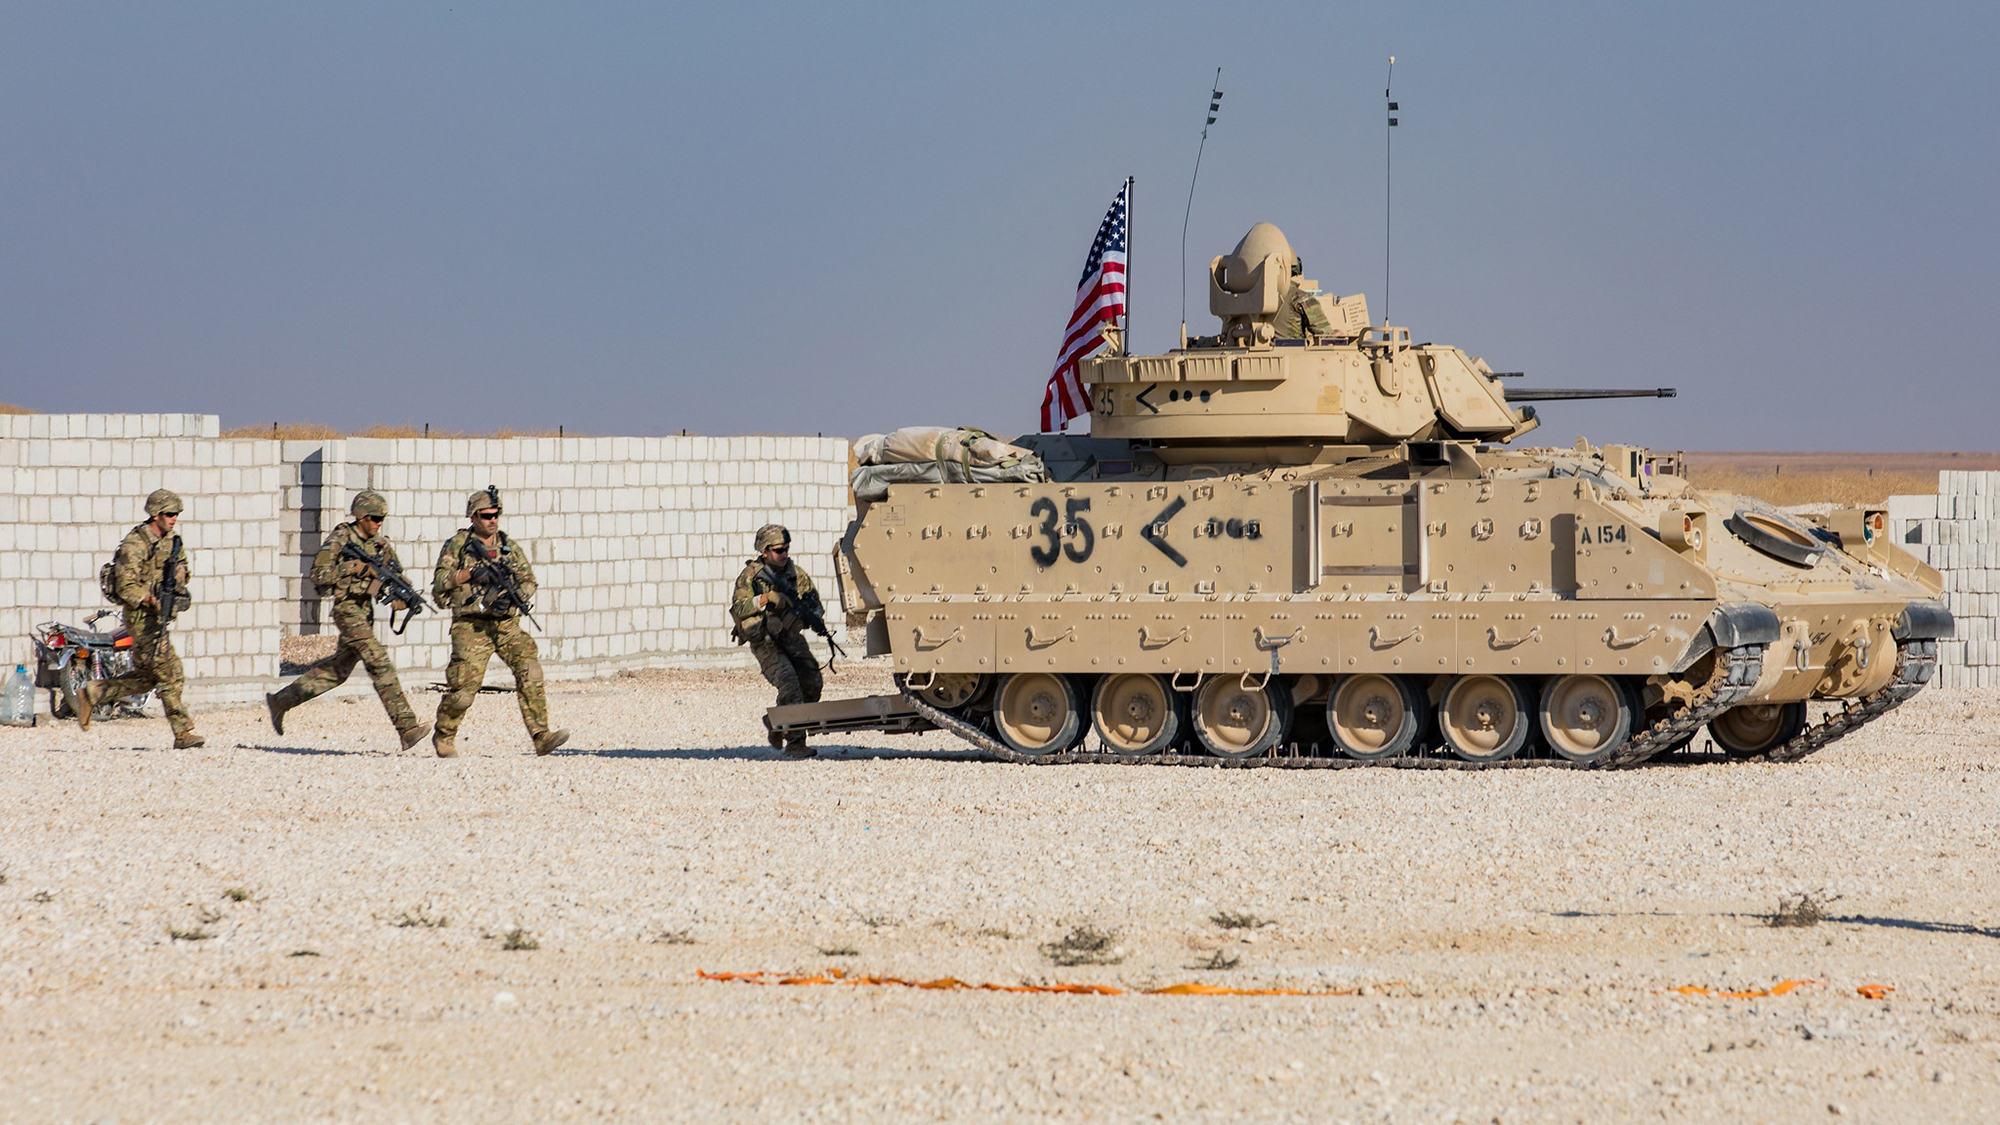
<point>770,625</point>
<point>486,580</point>
<point>353,588</point>
<point>149,579</point>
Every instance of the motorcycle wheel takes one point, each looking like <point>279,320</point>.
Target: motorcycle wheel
<point>69,683</point>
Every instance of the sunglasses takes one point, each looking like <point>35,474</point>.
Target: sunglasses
<point>779,550</point>
<point>372,519</point>
<point>486,515</point>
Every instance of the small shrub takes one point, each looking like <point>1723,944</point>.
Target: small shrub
<point>518,938</point>
<point>997,932</point>
<point>237,894</point>
<point>42,896</point>
<point>1084,945</point>
<point>196,934</point>
<point>839,951</point>
<point>1235,920</point>
<point>208,916</point>
<point>1220,959</point>
<point>1801,910</point>
<point>422,918</point>
<point>304,953</point>
<point>876,921</point>
<point>3,876</point>
<point>672,937</point>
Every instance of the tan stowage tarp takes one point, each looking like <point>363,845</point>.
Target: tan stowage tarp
<point>939,455</point>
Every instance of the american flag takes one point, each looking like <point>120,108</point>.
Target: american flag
<point>1100,297</point>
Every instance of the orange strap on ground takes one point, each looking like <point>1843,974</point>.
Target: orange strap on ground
<point>838,976</point>
<point>1778,989</point>
<point>1876,991</point>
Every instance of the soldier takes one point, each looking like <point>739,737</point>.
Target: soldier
<point>485,619</point>
<point>1299,314</point>
<point>133,580</point>
<point>770,626</point>
<point>353,588</point>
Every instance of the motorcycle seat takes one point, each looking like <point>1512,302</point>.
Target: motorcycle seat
<point>121,638</point>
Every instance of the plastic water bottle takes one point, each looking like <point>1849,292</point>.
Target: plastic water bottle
<point>17,700</point>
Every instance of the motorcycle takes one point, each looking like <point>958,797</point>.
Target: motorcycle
<point>68,657</point>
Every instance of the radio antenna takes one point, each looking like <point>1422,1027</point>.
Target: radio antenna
<point>1388,181</point>
<point>1214,104</point>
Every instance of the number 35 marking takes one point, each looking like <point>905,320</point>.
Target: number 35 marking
<point>1074,525</point>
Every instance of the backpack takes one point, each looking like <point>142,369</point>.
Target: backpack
<point>107,581</point>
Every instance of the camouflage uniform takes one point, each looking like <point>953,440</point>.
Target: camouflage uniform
<point>478,632</point>
<point>353,589</point>
<point>1300,316</point>
<point>776,636</point>
<point>136,572</point>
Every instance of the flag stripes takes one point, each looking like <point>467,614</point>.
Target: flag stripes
<point>1100,299</point>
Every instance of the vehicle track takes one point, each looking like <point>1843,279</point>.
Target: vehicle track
<point>1736,673</point>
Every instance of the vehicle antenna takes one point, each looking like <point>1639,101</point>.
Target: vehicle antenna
<point>1214,104</point>
<point>1388,166</point>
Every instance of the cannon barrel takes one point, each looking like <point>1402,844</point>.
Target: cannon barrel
<point>1559,394</point>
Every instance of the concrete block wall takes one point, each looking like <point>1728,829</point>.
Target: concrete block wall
<point>636,541</point>
<point>71,486</point>
<point>1957,531</point>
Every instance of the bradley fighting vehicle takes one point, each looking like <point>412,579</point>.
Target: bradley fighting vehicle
<point>1303,540</point>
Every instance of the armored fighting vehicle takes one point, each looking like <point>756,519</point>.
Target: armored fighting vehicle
<point>1305,540</point>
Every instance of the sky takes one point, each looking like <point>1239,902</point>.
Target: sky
<point>743,218</point>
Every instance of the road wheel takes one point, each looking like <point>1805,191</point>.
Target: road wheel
<point>1374,716</point>
<point>1484,718</point>
<point>1038,713</point>
<point>1233,721</point>
<point>950,691</point>
<point>1585,717</point>
<point>1135,713</point>
<point>1751,729</point>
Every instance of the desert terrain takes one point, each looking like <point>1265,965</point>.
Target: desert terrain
<point>318,927</point>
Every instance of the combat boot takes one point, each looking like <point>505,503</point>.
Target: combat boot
<point>83,702</point>
<point>188,741</point>
<point>447,745</point>
<point>548,740</point>
<point>277,706</point>
<point>797,748</point>
<point>412,736</point>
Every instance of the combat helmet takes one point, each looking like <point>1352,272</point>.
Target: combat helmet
<point>368,502</point>
<point>773,535</point>
<point>162,502</point>
<point>488,497</point>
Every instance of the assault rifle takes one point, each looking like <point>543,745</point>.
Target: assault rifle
<point>396,592</point>
<point>492,572</point>
<point>806,606</point>
<point>171,593</point>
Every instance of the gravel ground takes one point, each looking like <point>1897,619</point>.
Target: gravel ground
<point>1506,938</point>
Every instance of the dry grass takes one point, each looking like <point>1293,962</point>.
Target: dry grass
<point>1851,486</point>
<point>1239,920</point>
<point>1806,908</point>
<point>10,408</point>
<point>1085,945</point>
<point>421,918</point>
<point>316,431</point>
